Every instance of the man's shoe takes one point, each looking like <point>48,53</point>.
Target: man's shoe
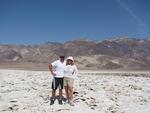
<point>60,101</point>
<point>52,101</point>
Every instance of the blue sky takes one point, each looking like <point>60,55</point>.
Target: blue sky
<point>39,21</point>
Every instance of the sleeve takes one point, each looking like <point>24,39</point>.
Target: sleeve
<point>54,63</point>
<point>76,78</point>
<point>75,73</point>
<point>64,70</point>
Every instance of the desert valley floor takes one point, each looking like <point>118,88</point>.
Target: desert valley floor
<point>24,91</point>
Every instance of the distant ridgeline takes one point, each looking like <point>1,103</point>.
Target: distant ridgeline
<point>120,53</point>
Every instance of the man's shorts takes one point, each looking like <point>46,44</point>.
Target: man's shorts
<point>68,81</point>
<point>57,83</point>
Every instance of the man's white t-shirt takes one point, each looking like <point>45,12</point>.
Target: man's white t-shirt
<point>58,68</point>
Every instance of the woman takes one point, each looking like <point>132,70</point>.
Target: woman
<point>70,73</point>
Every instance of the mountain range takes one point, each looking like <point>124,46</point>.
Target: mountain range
<point>117,54</point>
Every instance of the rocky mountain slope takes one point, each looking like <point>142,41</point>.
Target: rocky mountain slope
<point>120,53</point>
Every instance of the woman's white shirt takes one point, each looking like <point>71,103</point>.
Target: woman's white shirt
<point>70,71</point>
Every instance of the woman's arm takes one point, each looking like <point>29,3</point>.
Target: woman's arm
<point>75,72</point>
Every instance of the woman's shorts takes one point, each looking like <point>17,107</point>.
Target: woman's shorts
<point>68,81</point>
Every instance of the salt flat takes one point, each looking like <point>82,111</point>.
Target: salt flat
<point>24,91</point>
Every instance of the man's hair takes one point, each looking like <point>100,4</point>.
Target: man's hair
<point>61,56</point>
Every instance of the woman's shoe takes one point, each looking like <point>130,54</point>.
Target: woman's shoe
<point>70,103</point>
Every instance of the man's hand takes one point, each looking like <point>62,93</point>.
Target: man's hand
<point>53,73</point>
<point>51,70</point>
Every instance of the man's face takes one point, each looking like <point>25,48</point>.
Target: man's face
<point>62,58</point>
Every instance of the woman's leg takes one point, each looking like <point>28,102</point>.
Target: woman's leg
<point>71,95</point>
<point>66,87</point>
<point>67,93</point>
<point>70,86</point>
<point>70,90</point>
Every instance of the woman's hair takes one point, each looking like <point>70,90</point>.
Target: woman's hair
<point>67,62</point>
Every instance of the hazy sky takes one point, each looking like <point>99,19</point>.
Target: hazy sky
<point>39,21</point>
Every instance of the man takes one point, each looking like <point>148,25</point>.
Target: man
<point>57,70</point>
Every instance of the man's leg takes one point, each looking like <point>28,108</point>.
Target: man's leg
<point>60,97</point>
<point>53,93</point>
<point>61,84</point>
<point>52,99</point>
<point>60,92</point>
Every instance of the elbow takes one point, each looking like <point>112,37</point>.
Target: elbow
<point>50,67</point>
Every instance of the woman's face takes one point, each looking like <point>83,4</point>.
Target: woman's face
<point>70,62</point>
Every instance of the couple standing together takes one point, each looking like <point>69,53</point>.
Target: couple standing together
<point>64,72</point>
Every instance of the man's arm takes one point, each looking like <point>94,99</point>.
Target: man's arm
<point>51,69</point>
